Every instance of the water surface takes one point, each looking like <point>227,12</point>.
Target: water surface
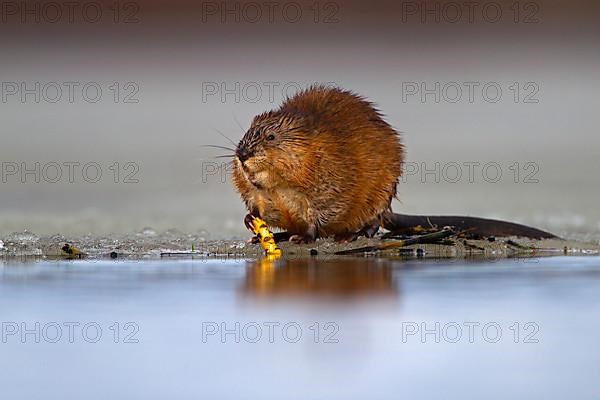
<point>349,328</point>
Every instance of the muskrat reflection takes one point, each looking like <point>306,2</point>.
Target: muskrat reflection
<point>347,277</point>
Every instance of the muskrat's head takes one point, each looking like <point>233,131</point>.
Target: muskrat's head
<point>271,148</point>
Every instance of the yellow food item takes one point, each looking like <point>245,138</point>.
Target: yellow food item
<point>265,237</point>
<point>71,251</point>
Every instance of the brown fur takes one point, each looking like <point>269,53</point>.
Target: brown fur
<point>331,168</point>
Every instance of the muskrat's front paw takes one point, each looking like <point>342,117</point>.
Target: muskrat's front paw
<point>301,239</point>
<point>346,237</point>
<point>248,221</point>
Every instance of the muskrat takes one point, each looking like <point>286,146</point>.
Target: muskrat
<point>325,163</point>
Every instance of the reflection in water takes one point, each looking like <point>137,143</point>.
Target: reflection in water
<point>339,277</point>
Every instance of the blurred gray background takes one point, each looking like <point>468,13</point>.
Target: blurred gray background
<point>173,73</point>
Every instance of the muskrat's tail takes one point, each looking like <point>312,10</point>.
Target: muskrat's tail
<point>482,227</point>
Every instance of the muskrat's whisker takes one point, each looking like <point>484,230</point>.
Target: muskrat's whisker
<point>225,165</point>
<point>225,136</point>
<point>217,147</point>
<point>238,123</point>
<point>212,158</point>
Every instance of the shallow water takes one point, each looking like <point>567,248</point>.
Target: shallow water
<point>303,328</point>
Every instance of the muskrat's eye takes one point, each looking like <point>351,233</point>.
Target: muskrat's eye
<point>271,137</point>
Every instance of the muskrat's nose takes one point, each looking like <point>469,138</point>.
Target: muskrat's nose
<point>243,154</point>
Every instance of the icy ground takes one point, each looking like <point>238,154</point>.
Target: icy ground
<point>172,243</point>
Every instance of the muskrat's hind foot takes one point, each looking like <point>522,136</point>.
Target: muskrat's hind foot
<point>368,231</point>
<point>308,237</point>
<point>346,237</point>
<point>301,239</point>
